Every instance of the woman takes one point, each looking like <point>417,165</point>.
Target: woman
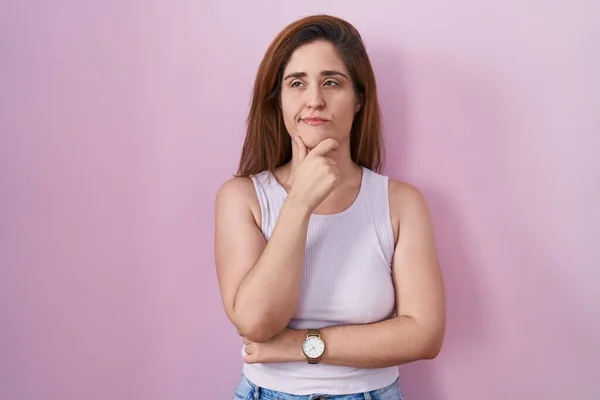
<point>327,268</point>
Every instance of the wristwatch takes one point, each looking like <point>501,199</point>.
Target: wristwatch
<point>313,346</point>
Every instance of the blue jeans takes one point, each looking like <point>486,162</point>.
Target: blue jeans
<point>247,390</point>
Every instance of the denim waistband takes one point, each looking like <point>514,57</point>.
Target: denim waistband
<point>247,390</point>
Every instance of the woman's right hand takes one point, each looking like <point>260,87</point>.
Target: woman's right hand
<point>314,175</point>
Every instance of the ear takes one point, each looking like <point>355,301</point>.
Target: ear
<point>359,103</point>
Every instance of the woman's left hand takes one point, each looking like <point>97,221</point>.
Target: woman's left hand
<point>285,347</point>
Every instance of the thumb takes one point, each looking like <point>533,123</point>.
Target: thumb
<point>301,151</point>
<point>325,147</point>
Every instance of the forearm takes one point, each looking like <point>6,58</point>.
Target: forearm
<point>383,344</point>
<point>387,343</point>
<point>267,297</point>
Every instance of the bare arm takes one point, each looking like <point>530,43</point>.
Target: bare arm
<point>259,282</point>
<point>417,332</point>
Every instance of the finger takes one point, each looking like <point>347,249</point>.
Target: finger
<point>324,147</point>
<point>246,341</point>
<point>294,148</point>
<point>330,161</point>
<point>336,173</point>
<point>301,148</point>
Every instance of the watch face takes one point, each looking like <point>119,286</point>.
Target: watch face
<point>313,347</point>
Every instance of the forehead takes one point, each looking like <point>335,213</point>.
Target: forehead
<point>314,58</point>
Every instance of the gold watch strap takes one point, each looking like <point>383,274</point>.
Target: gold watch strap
<point>313,332</point>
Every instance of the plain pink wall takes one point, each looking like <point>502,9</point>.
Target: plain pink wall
<point>119,120</point>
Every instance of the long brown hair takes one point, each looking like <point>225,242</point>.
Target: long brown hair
<point>267,144</point>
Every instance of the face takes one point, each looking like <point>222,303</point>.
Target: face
<point>317,95</point>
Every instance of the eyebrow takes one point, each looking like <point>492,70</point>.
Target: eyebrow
<point>323,73</point>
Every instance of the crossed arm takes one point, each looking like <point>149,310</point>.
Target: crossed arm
<point>416,332</point>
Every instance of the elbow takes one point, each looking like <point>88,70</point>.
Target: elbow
<point>256,330</point>
<point>256,326</point>
<point>256,335</point>
<point>431,352</point>
<point>433,346</point>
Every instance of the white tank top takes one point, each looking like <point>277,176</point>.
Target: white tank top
<point>347,280</point>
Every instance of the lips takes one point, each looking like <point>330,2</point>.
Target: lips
<point>313,121</point>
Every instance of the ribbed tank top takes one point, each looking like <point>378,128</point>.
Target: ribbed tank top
<point>347,280</point>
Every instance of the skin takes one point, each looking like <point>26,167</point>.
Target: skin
<point>317,83</point>
<point>246,264</point>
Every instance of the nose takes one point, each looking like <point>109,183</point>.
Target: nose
<point>315,98</point>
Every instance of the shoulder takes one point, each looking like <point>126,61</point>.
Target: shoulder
<point>408,205</point>
<point>235,188</point>
<point>398,191</point>
<point>238,195</point>
<point>404,195</point>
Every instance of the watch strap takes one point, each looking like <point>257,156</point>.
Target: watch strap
<point>313,332</point>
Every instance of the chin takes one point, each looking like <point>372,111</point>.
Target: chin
<point>312,139</point>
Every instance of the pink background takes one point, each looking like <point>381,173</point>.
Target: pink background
<point>119,120</point>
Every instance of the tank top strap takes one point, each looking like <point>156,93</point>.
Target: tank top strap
<point>271,197</point>
<point>377,204</point>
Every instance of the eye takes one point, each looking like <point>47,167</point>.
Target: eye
<point>296,84</point>
<point>330,82</point>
